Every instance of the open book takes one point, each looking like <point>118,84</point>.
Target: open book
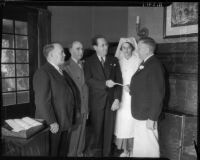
<point>22,128</point>
<point>22,124</point>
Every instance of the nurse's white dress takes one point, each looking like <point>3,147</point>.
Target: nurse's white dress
<point>124,127</point>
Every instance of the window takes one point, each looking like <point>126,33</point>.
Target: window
<point>15,74</point>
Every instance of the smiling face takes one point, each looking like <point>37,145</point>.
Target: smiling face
<point>102,47</point>
<point>127,50</point>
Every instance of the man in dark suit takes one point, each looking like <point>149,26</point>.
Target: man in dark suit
<point>147,89</point>
<point>102,73</point>
<point>74,67</point>
<point>57,98</point>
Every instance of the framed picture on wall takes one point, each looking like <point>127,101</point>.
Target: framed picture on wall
<point>181,19</point>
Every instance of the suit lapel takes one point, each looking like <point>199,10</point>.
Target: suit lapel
<point>145,65</point>
<point>99,67</point>
<point>55,73</point>
<point>107,67</point>
<point>52,69</point>
<point>76,71</point>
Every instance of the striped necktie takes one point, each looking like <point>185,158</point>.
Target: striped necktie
<point>79,64</point>
<point>60,71</point>
<point>102,62</point>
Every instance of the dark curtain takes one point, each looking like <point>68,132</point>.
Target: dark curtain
<point>44,33</point>
<point>33,59</point>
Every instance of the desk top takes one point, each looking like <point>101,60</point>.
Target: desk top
<point>19,140</point>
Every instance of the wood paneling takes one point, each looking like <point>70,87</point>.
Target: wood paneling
<point>179,57</point>
<point>177,133</point>
<point>181,63</point>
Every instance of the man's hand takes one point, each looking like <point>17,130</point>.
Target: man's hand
<point>127,88</point>
<point>151,124</point>
<point>110,83</point>
<point>115,105</point>
<point>54,127</point>
<point>87,115</point>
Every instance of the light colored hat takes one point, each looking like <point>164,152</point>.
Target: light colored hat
<point>130,40</point>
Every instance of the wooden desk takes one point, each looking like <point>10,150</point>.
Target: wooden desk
<point>37,145</point>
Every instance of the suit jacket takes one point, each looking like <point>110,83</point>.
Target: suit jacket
<point>147,89</point>
<point>77,74</point>
<point>56,96</point>
<point>96,77</point>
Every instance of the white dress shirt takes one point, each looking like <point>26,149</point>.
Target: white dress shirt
<point>148,57</point>
<point>77,62</point>
<point>104,58</point>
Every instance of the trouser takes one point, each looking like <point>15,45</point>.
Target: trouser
<point>102,121</point>
<point>59,143</point>
<point>77,138</point>
<point>145,141</point>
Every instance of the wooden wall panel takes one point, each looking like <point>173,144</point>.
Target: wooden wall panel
<point>177,133</point>
<point>190,135</point>
<point>183,95</point>
<point>181,63</point>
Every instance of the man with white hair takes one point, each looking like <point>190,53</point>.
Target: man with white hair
<point>57,98</point>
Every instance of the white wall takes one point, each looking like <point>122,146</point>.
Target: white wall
<point>111,22</point>
<point>81,23</point>
<point>71,23</point>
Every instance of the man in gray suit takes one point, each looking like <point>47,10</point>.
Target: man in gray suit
<point>74,67</point>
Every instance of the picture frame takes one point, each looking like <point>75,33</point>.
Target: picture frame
<point>180,20</point>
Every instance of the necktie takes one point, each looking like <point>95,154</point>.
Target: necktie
<point>102,61</point>
<point>79,64</point>
<point>60,71</point>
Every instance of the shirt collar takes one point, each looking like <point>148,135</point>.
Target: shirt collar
<point>147,57</point>
<point>75,60</point>
<point>55,66</point>
<point>104,58</point>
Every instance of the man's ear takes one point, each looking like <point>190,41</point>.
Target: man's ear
<point>146,49</point>
<point>149,50</point>
<point>50,54</point>
<point>95,47</point>
<point>70,51</point>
